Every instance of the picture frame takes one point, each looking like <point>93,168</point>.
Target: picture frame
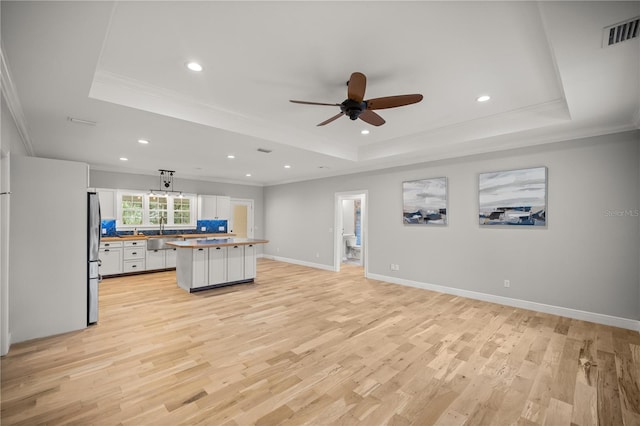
<point>513,198</point>
<point>425,202</point>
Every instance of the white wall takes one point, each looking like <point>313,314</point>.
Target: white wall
<point>48,247</point>
<point>583,260</point>
<point>101,179</point>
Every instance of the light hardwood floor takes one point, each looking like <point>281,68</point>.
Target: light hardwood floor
<point>302,345</point>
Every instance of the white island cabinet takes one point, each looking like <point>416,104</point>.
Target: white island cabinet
<point>205,264</point>
<point>192,268</point>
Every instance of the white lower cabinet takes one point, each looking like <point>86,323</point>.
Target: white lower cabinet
<point>134,256</point>
<point>193,268</point>
<point>217,265</point>
<point>161,259</point>
<point>155,259</point>
<point>249,261</point>
<point>170,257</point>
<point>200,267</point>
<point>110,258</point>
<point>235,263</point>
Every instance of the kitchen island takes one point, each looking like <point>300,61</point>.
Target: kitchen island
<point>203,264</point>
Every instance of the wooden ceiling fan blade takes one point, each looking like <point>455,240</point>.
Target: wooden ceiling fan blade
<point>312,103</point>
<point>335,117</point>
<point>371,117</point>
<point>357,86</point>
<point>393,101</point>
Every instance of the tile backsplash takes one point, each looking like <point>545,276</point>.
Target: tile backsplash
<point>108,229</point>
<point>212,226</point>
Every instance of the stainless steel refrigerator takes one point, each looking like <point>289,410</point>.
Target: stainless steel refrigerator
<point>93,250</point>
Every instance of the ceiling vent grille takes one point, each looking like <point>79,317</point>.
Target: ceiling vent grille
<point>266,151</point>
<point>623,31</point>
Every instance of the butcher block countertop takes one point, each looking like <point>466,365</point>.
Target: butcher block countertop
<point>146,237</point>
<point>215,242</point>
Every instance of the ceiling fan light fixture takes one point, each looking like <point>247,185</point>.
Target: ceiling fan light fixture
<point>194,66</point>
<point>483,98</point>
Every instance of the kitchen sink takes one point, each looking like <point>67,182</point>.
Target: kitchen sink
<point>158,243</point>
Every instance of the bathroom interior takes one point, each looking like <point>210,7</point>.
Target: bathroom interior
<point>352,232</point>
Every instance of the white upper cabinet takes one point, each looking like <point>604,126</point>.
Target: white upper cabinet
<point>107,203</point>
<point>213,207</point>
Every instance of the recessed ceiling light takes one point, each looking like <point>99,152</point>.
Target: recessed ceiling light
<point>364,132</point>
<point>287,166</point>
<point>124,159</point>
<point>143,141</point>
<point>194,66</point>
<point>483,98</point>
<point>248,175</point>
<point>231,156</point>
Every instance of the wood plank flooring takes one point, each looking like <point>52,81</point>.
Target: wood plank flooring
<point>306,346</point>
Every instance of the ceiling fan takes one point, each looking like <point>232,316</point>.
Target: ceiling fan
<point>356,107</point>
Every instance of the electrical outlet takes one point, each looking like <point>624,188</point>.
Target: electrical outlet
<point>104,231</point>
<point>397,267</point>
<point>203,228</point>
<point>507,283</point>
<point>318,254</point>
<point>220,228</point>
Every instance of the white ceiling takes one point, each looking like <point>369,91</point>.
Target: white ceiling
<point>122,65</point>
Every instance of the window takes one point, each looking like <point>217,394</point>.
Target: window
<point>132,209</point>
<point>143,211</point>
<point>181,211</point>
<point>158,209</point>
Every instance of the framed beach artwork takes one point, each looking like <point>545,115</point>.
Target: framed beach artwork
<point>513,197</point>
<point>425,202</point>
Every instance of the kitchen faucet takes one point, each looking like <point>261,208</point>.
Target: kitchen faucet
<point>161,224</point>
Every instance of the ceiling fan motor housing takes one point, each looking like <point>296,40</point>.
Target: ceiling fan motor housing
<point>352,108</point>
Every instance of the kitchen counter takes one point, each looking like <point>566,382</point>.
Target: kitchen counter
<point>215,242</point>
<point>203,264</point>
<point>145,237</point>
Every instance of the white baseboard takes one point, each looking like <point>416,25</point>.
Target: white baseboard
<point>518,303</point>
<point>299,262</point>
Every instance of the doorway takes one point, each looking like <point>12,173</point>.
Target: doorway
<point>350,240</point>
<point>241,218</point>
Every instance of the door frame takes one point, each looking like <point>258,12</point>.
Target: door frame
<point>5,206</point>
<point>363,196</point>
<point>250,224</point>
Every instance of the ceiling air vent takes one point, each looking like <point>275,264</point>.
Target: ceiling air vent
<point>623,31</point>
<point>266,151</point>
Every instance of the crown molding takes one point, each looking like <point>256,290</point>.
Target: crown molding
<point>13,102</point>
